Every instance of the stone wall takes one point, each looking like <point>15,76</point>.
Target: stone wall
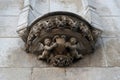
<point>15,64</point>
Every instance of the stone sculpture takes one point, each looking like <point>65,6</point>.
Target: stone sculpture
<point>60,38</point>
<point>72,45</point>
<point>47,49</point>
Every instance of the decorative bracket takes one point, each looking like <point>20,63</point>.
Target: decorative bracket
<point>60,38</point>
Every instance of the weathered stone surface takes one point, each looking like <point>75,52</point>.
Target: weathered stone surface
<point>117,3</point>
<point>108,7</point>
<point>8,26</point>
<point>111,26</point>
<point>77,74</point>
<point>27,2</point>
<point>12,54</point>
<point>48,74</point>
<point>85,62</point>
<point>87,15</point>
<point>105,16</point>
<point>112,51</point>
<point>23,17</point>
<point>39,8</point>
<point>15,73</point>
<point>111,23</point>
<point>10,7</point>
<point>8,21</point>
<point>98,59</point>
<point>104,74</point>
<point>93,18</point>
<point>31,17</point>
<point>66,5</point>
<point>93,73</point>
<point>108,20</point>
<point>92,3</point>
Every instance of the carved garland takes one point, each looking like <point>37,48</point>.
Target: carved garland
<point>60,38</point>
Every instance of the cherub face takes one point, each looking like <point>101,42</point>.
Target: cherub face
<point>73,40</point>
<point>47,41</point>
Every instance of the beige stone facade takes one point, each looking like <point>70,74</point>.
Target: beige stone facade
<point>15,64</point>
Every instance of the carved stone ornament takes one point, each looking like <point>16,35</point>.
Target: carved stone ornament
<point>60,38</point>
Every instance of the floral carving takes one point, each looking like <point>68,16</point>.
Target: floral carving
<point>60,38</point>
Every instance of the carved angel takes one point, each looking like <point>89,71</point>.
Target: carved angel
<point>72,45</point>
<point>47,49</point>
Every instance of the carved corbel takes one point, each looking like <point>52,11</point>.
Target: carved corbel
<point>60,38</point>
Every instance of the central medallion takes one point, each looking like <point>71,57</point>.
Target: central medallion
<point>60,38</point>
